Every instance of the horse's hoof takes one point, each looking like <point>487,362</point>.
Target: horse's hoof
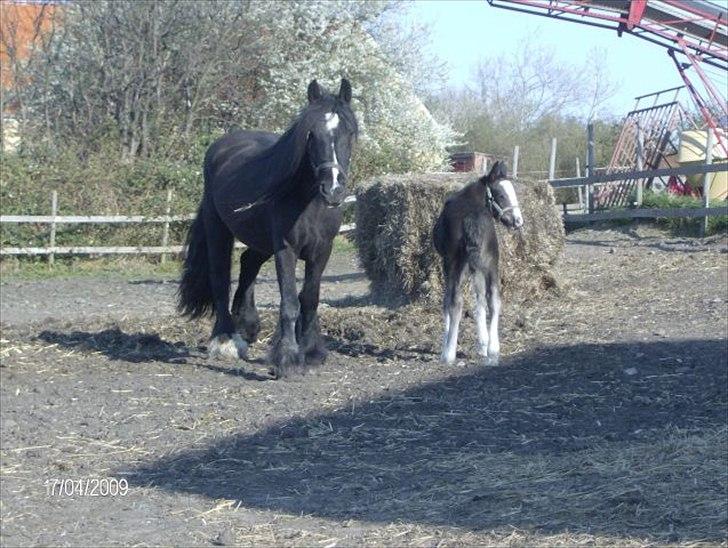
<point>447,359</point>
<point>228,346</point>
<point>248,330</point>
<point>285,360</point>
<point>492,359</point>
<point>316,356</point>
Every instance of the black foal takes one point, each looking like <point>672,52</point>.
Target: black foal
<point>464,235</point>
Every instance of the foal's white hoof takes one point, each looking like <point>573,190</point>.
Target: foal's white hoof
<point>492,359</point>
<point>225,346</point>
<point>447,359</point>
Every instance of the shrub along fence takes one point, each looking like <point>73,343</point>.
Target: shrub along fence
<point>51,250</point>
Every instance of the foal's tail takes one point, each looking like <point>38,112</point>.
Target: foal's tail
<point>195,292</point>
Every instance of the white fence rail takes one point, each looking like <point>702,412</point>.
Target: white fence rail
<point>52,249</point>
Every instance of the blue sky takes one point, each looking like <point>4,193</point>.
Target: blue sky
<point>464,31</point>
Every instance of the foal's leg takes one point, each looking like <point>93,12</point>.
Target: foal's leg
<point>307,328</point>
<point>225,341</point>
<point>494,307</point>
<point>244,312</point>
<point>284,352</point>
<point>478,280</point>
<point>453,307</point>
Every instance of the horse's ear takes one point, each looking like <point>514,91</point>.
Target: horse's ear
<point>314,91</point>
<point>345,91</point>
<point>498,171</point>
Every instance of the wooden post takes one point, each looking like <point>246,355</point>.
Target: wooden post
<point>165,230</point>
<point>580,188</point>
<point>707,179</point>
<point>640,164</point>
<point>590,165</point>
<point>54,214</point>
<point>552,160</point>
<point>515,162</point>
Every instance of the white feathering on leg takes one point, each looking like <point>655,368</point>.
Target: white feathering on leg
<point>224,346</point>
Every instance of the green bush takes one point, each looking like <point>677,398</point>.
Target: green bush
<point>716,224</point>
<point>99,184</point>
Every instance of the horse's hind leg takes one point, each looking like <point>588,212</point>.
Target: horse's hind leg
<point>308,331</point>
<point>225,341</point>
<point>494,306</point>
<point>452,307</point>
<point>244,312</point>
<point>478,280</point>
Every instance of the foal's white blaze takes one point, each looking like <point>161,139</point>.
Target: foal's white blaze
<point>507,187</point>
<point>332,122</point>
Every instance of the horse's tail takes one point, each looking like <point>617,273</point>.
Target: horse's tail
<point>195,291</point>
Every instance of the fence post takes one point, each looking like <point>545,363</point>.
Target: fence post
<point>165,230</point>
<point>707,179</point>
<point>552,160</point>
<point>590,166</point>
<point>640,163</point>
<point>54,214</point>
<point>515,162</point>
<point>580,188</point>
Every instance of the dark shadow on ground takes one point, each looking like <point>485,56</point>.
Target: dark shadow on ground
<point>117,345</point>
<point>146,347</point>
<point>511,446</point>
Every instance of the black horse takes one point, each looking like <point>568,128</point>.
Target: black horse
<point>464,235</point>
<point>278,194</point>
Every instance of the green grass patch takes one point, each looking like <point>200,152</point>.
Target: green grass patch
<point>717,224</point>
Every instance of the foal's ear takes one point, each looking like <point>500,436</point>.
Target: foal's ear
<point>497,172</point>
<point>314,91</point>
<point>345,91</point>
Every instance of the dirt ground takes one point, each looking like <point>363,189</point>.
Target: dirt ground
<point>605,423</point>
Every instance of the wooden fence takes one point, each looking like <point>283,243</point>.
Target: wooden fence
<point>590,181</point>
<point>584,184</point>
<point>54,220</point>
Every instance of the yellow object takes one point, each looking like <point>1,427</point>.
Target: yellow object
<point>694,143</point>
<point>718,181</point>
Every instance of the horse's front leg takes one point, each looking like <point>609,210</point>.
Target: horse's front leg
<point>285,353</point>
<point>244,312</point>
<point>494,308</point>
<point>307,329</point>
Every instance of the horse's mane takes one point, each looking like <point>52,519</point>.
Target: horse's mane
<point>271,172</point>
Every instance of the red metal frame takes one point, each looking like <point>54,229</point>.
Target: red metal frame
<point>697,30</point>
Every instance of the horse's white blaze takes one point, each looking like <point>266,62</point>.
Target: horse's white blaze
<point>228,347</point>
<point>507,187</point>
<point>334,170</point>
<point>332,121</point>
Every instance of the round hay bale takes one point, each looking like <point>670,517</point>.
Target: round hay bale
<point>394,219</point>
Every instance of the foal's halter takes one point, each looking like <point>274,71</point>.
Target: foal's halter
<point>496,209</point>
